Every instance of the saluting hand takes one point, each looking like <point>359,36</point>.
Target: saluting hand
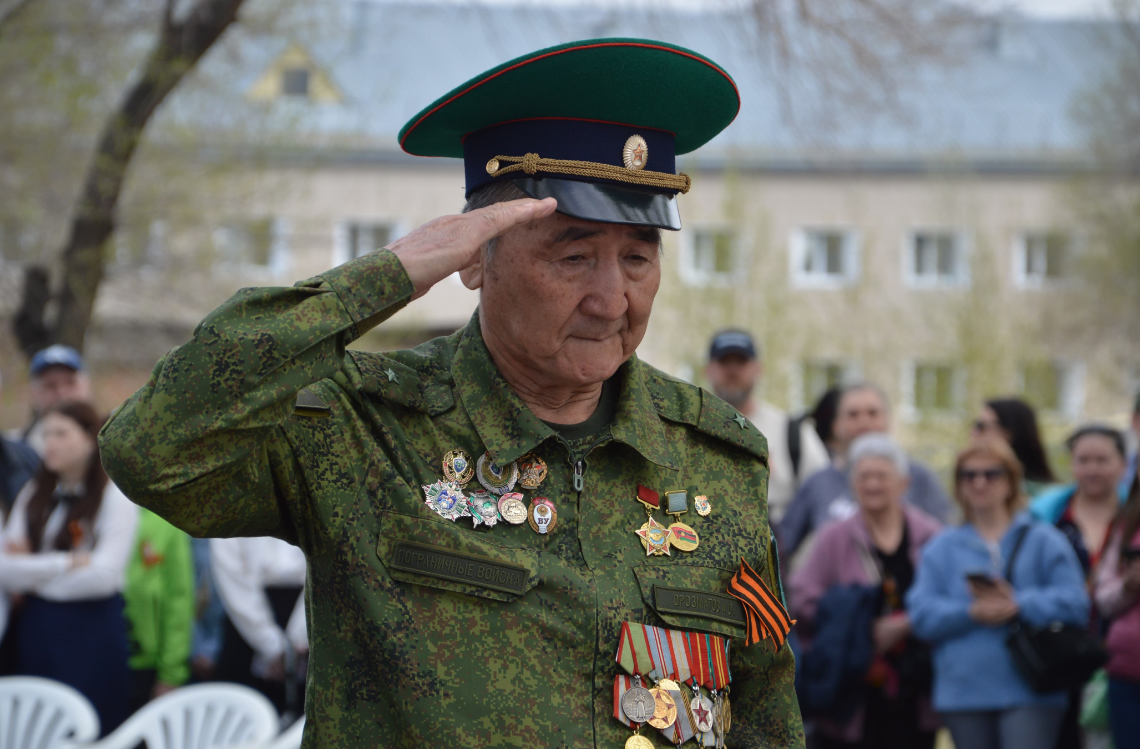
<point>441,247</point>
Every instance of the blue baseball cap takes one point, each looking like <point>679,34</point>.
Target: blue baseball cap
<point>56,356</point>
<point>732,342</point>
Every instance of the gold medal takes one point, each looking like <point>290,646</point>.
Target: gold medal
<point>668,685</point>
<point>702,504</point>
<point>532,471</point>
<point>664,709</point>
<point>637,741</point>
<point>458,467</point>
<point>654,537</point>
<point>683,537</point>
<point>512,509</point>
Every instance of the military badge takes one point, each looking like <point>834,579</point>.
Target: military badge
<point>446,499</point>
<point>664,709</point>
<point>702,709</point>
<point>543,517</point>
<point>512,509</point>
<point>654,537</point>
<point>493,478</point>
<point>635,153</point>
<point>702,505</point>
<point>457,467</point>
<point>483,508</point>
<point>683,537</point>
<point>532,471</point>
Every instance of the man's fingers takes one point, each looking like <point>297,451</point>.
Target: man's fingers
<point>488,223</point>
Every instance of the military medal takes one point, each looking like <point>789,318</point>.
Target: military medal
<point>532,471</point>
<point>702,505</point>
<point>654,536</point>
<point>664,709</point>
<point>543,518</point>
<point>702,710</point>
<point>660,654</point>
<point>484,509</point>
<point>493,478</point>
<point>637,703</point>
<point>457,467</point>
<point>512,509</point>
<point>447,500</point>
<point>637,741</point>
<point>681,536</point>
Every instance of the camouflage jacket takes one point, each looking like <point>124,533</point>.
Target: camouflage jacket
<point>219,443</point>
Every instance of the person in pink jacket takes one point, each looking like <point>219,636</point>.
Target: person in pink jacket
<point>879,545</point>
<point>1118,599</point>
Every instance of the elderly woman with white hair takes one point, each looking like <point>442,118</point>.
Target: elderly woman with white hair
<point>877,548</point>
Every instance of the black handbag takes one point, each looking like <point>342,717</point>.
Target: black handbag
<point>1055,657</point>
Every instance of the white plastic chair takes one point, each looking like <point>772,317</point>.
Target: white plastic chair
<point>198,717</point>
<point>290,738</point>
<point>40,714</point>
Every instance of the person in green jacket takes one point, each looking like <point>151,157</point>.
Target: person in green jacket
<point>160,609</point>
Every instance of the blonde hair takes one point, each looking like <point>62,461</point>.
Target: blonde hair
<point>999,450</point>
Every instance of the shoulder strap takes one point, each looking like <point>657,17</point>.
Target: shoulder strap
<point>1021,534</point>
<point>794,446</point>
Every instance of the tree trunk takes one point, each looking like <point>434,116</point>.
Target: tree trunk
<point>179,47</point>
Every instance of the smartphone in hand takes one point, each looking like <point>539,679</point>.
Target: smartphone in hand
<point>982,579</point>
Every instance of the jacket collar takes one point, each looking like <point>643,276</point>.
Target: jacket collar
<point>510,430</point>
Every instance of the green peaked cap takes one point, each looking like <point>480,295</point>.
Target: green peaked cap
<point>638,82</point>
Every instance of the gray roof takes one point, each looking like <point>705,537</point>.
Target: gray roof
<point>1005,106</point>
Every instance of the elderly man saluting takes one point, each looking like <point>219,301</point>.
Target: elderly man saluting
<point>518,534</point>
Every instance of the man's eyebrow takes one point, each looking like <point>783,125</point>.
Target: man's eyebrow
<point>650,234</point>
<point>575,233</point>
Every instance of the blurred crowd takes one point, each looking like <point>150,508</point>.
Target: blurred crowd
<point>1006,610</point>
<point>105,596</point>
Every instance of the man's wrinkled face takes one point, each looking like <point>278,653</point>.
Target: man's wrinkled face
<point>570,298</point>
<point>59,384</point>
<point>733,377</point>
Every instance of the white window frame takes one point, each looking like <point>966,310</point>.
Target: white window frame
<point>797,398</point>
<point>1021,279</point>
<point>962,251</point>
<point>340,249</point>
<point>1071,395</point>
<point>279,261</point>
<point>693,276</point>
<point>910,411</point>
<point>852,258</point>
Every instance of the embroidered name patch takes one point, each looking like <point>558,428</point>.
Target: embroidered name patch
<point>698,603</point>
<point>459,567</point>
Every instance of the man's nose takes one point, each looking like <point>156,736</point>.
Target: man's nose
<point>606,296</point>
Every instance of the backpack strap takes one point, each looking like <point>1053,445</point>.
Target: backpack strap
<point>795,448</point>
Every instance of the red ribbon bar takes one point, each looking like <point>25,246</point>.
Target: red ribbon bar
<point>648,496</point>
<point>765,616</point>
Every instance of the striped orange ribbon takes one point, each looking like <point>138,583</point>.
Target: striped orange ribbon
<point>764,614</point>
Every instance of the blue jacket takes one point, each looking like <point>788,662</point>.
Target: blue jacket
<point>18,463</point>
<point>833,674</point>
<point>972,667</point>
<point>1050,505</point>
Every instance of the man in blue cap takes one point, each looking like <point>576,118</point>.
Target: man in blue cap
<point>519,534</point>
<point>57,376</point>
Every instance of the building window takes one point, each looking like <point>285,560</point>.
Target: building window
<point>935,258</point>
<point>365,238</point>
<point>295,82</point>
<point>245,243</point>
<point>933,387</point>
<point>1042,258</point>
<point>1052,386</point>
<point>710,256</point>
<point>824,257</point>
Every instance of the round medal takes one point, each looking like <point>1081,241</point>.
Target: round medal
<point>724,715</point>
<point>664,709</point>
<point>532,471</point>
<point>457,466</point>
<point>683,537</point>
<point>543,518</point>
<point>703,506</point>
<point>484,509</point>
<point>668,685</point>
<point>493,478</point>
<point>512,509</point>
<point>702,709</point>
<point>637,741</point>
<point>638,704</point>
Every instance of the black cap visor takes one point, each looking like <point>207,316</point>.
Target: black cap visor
<point>607,203</point>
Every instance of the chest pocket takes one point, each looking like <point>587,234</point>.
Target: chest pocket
<point>450,557</point>
<point>691,597</point>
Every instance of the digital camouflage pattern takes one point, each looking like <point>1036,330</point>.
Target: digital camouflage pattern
<point>219,443</point>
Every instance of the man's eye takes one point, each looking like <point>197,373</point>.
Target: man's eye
<point>574,258</point>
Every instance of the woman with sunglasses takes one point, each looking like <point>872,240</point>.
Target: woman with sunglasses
<point>961,602</point>
<point>1014,421</point>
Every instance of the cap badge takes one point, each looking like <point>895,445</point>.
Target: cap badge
<point>492,166</point>
<point>636,153</point>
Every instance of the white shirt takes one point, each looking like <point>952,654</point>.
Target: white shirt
<point>243,568</point>
<point>48,574</point>
<point>773,424</point>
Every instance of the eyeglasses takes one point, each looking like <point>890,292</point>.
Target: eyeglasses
<point>989,474</point>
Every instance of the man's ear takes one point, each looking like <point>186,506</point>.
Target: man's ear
<point>472,275</point>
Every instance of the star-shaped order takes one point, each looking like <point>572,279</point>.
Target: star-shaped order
<point>392,375</point>
<point>743,422</point>
<point>702,714</point>
<point>652,530</point>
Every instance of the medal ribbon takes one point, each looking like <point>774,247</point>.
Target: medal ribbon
<point>677,653</point>
<point>622,685</point>
<point>765,615</point>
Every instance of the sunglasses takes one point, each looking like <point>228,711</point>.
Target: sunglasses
<point>990,474</point>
